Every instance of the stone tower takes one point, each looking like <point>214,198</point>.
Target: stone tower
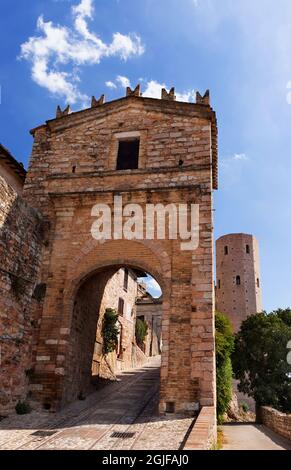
<point>238,287</point>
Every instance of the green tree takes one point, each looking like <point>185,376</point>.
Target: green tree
<point>110,331</point>
<point>260,359</point>
<point>141,331</point>
<point>224,348</point>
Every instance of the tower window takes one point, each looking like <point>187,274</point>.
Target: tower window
<point>128,154</point>
<point>226,250</point>
<point>120,306</point>
<point>125,280</point>
<point>238,280</point>
<point>219,283</point>
<point>248,249</point>
<point>258,282</point>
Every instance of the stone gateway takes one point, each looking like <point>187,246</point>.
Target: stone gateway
<point>148,151</point>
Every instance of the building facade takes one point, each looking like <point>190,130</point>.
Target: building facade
<point>238,278</point>
<point>147,151</point>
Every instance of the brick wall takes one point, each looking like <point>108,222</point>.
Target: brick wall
<point>20,248</point>
<point>278,422</point>
<point>72,168</point>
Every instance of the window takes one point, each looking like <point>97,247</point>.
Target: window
<point>120,306</point>
<point>125,280</point>
<point>248,249</point>
<point>226,250</point>
<point>128,153</point>
<point>218,283</point>
<point>238,280</point>
<point>258,282</point>
<point>119,349</point>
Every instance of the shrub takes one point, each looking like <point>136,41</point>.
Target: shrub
<point>22,408</point>
<point>260,359</point>
<point>141,331</point>
<point>110,331</point>
<point>245,407</point>
<point>224,348</point>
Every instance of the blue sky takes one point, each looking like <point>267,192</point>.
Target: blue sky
<point>55,51</point>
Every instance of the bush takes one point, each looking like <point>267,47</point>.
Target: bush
<point>141,331</point>
<point>260,359</point>
<point>22,408</point>
<point>245,407</point>
<point>110,331</point>
<point>224,347</point>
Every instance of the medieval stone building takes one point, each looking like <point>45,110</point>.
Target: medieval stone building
<point>146,151</point>
<point>150,310</point>
<point>238,279</point>
<point>21,240</point>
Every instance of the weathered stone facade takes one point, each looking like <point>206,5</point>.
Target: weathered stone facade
<point>124,358</point>
<point>278,422</point>
<point>11,170</point>
<point>21,232</point>
<point>238,284</point>
<point>151,311</point>
<point>73,167</point>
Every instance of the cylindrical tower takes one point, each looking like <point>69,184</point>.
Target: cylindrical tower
<point>238,279</point>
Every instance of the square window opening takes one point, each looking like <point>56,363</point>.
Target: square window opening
<point>128,154</point>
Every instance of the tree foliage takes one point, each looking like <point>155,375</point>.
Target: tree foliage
<point>260,359</point>
<point>224,348</point>
<point>110,331</point>
<point>141,331</point>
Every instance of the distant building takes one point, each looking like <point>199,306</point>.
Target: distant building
<point>11,170</point>
<point>238,279</point>
<point>150,310</point>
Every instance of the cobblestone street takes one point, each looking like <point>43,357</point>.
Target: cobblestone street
<point>122,415</point>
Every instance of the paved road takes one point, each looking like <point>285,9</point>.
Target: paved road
<point>247,436</point>
<point>122,415</point>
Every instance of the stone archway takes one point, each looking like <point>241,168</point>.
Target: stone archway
<point>86,296</point>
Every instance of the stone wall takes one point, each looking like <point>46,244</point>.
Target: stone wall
<point>72,168</point>
<point>151,310</point>
<point>203,435</point>
<point>238,285</point>
<point>123,358</point>
<point>21,233</point>
<point>278,422</point>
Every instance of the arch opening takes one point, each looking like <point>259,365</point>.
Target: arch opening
<point>134,298</point>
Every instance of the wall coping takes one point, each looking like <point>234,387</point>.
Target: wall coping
<point>204,432</point>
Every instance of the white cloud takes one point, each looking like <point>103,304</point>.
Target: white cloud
<point>153,89</point>
<point>60,45</point>
<point>123,81</point>
<point>152,286</point>
<point>227,162</point>
<point>110,84</point>
<point>240,157</point>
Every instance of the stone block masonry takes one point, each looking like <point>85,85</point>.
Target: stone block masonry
<point>278,422</point>
<point>73,166</point>
<point>21,231</point>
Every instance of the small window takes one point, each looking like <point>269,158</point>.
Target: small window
<point>218,283</point>
<point>226,250</point>
<point>238,280</point>
<point>128,153</point>
<point>248,249</point>
<point>125,280</point>
<point>120,306</point>
<point>258,282</point>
